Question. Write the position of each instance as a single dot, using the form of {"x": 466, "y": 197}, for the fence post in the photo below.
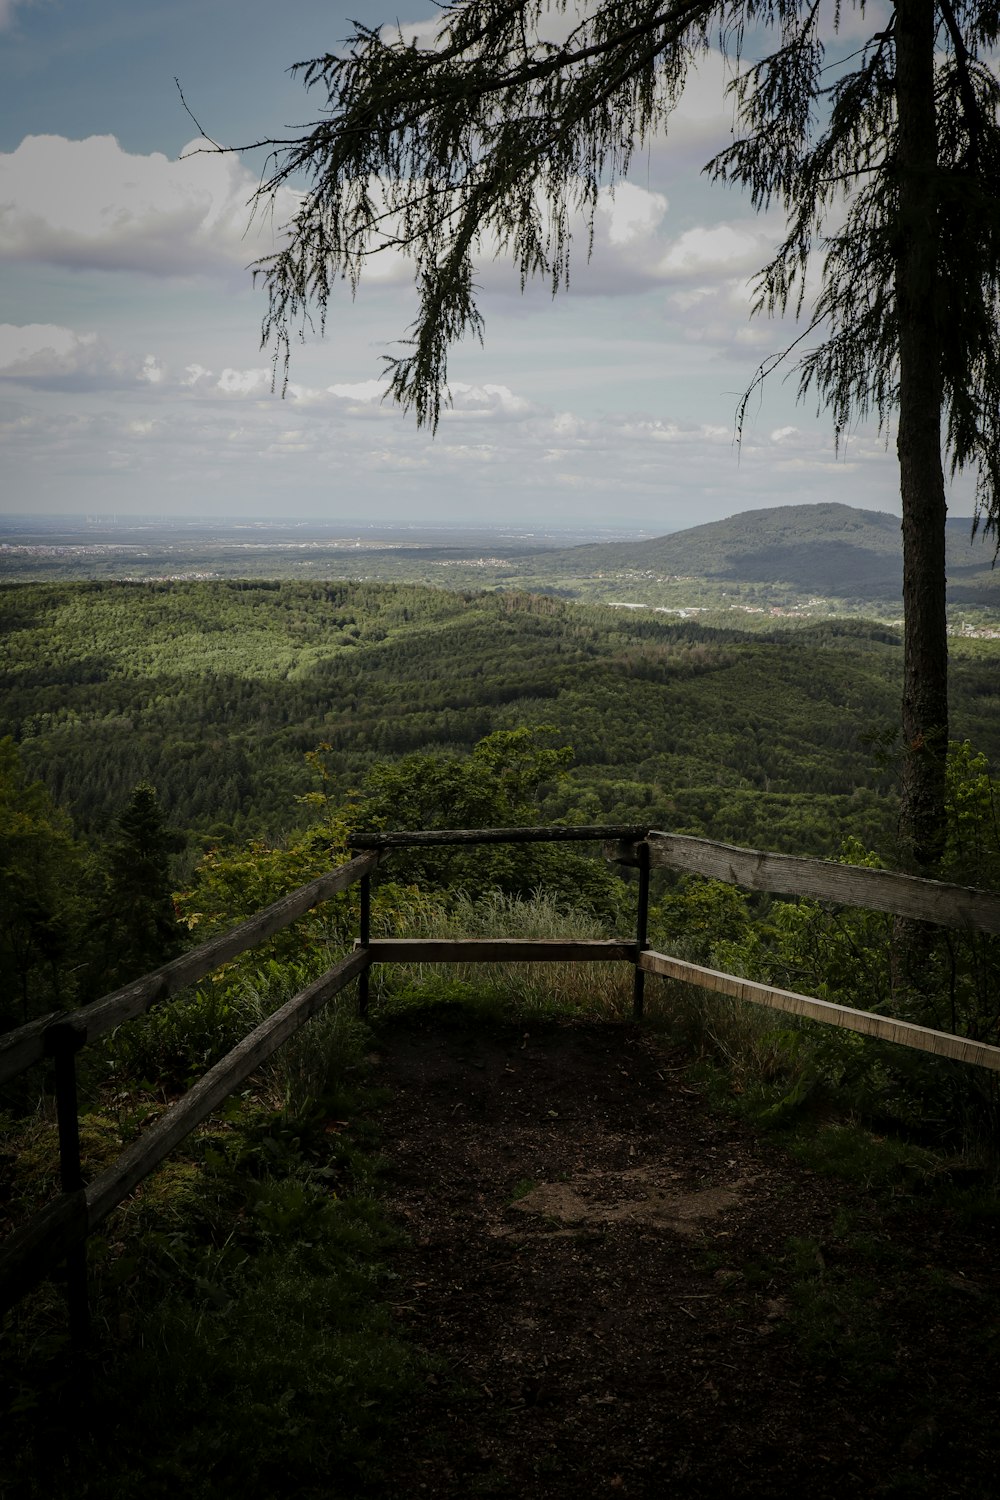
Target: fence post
{"x": 641, "y": 926}
{"x": 365, "y": 936}
{"x": 64, "y": 1042}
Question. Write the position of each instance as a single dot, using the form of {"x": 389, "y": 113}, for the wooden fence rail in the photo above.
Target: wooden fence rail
{"x": 907, "y": 1033}
{"x": 820, "y": 880}
{"x": 499, "y": 951}
{"x": 33, "y": 1250}
{"x": 429, "y": 837}
{"x": 115, "y": 1184}
{"x": 59, "y": 1231}
{"x": 30, "y": 1044}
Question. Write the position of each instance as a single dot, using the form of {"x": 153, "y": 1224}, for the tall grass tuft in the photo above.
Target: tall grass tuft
{"x": 597, "y": 990}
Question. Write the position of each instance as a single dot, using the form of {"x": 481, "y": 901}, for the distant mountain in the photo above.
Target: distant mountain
{"x": 829, "y": 549}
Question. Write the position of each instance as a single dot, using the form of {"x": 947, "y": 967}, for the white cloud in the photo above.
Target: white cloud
{"x": 244, "y": 382}
{"x": 486, "y": 401}
{"x": 627, "y": 213}
{"x": 719, "y": 249}
{"x": 89, "y": 205}
{"x": 361, "y": 391}
{"x": 40, "y": 347}
{"x": 637, "y": 247}
{"x": 423, "y": 34}
{"x": 48, "y": 356}
{"x": 202, "y": 440}
{"x": 195, "y": 377}
{"x": 717, "y": 314}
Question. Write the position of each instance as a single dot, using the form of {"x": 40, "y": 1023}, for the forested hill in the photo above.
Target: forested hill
{"x": 216, "y": 692}
{"x": 830, "y": 550}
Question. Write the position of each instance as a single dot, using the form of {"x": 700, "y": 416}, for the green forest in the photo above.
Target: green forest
{"x": 215, "y": 693}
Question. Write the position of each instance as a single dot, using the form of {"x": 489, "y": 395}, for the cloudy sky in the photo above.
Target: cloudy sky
{"x": 131, "y": 374}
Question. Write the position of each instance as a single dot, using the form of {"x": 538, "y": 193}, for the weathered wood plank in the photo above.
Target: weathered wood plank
{"x": 21, "y": 1048}
{"x": 27, "y": 1045}
{"x": 556, "y": 833}
{"x": 907, "y": 1033}
{"x": 114, "y": 1184}
{"x": 34, "y": 1248}
{"x": 822, "y": 880}
{"x": 499, "y": 950}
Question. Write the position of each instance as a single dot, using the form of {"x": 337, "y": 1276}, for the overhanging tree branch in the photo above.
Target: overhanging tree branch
{"x": 494, "y": 138}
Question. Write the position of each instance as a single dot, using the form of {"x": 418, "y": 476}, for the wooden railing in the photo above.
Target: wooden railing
{"x": 60, "y": 1230}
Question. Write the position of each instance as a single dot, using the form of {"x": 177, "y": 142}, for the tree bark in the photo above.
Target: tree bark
{"x": 925, "y": 641}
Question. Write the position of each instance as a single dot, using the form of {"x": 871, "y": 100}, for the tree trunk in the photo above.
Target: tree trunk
{"x": 925, "y": 641}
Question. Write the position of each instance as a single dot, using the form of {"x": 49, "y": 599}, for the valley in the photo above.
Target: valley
{"x": 703, "y": 680}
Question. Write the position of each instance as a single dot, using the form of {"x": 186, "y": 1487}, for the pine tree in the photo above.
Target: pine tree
{"x": 889, "y": 176}
{"x": 141, "y": 926}
{"x": 44, "y": 900}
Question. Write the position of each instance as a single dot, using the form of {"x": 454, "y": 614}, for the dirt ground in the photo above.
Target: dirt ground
{"x": 631, "y": 1295}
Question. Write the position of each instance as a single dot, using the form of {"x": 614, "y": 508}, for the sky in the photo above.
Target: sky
{"x": 132, "y": 379}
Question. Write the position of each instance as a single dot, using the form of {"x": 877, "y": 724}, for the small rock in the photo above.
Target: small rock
{"x": 728, "y": 1278}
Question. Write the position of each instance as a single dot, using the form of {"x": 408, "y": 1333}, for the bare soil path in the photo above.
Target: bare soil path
{"x": 633, "y": 1296}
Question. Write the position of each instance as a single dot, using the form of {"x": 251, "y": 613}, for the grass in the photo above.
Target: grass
{"x": 241, "y": 1345}
{"x": 907, "y": 1113}
{"x": 241, "y": 1341}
